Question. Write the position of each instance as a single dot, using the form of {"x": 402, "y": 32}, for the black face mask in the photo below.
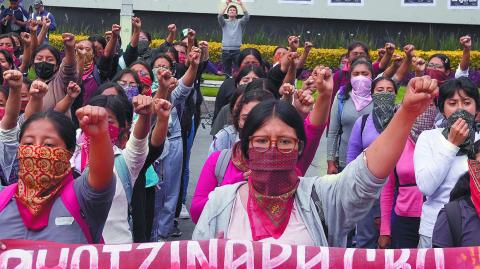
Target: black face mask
{"x": 143, "y": 46}
{"x": 44, "y": 70}
{"x": 467, "y": 148}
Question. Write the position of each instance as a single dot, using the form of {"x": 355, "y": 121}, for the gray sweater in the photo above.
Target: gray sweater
{"x": 345, "y": 199}
{"x": 340, "y": 130}
{"x": 232, "y": 31}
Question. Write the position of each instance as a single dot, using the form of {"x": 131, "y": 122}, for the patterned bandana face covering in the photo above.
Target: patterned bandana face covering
{"x": 468, "y": 146}
{"x": 131, "y": 92}
{"x": 40, "y": 177}
{"x": 383, "y": 109}
{"x": 272, "y": 186}
{"x": 426, "y": 121}
{"x": 440, "y": 76}
{"x": 474, "y": 170}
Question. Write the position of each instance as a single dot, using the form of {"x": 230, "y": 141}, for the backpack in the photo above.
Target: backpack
{"x": 454, "y": 219}
{"x": 69, "y": 199}
{"x": 222, "y": 164}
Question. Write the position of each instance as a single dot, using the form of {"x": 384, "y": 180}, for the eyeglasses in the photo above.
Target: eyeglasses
{"x": 264, "y": 143}
{"x": 142, "y": 73}
{"x": 164, "y": 68}
{"x": 124, "y": 83}
{"x": 435, "y": 66}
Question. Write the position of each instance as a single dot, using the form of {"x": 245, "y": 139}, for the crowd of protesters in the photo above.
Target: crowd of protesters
{"x": 96, "y": 147}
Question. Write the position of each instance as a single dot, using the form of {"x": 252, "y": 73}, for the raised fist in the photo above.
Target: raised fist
{"x": 162, "y": 108}
{"x": 38, "y": 89}
{"x": 293, "y": 43}
{"x": 194, "y": 56}
{"x": 136, "y": 23}
{"x": 14, "y": 79}
{"x": 93, "y": 120}
{"x": 466, "y": 42}
{"x": 286, "y": 90}
{"x": 142, "y": 104}
{"x": 409, "y": 51}
{"x": 419, "y": 95}
{"x": 390, "y": 48}
{"x": 116, "y": 30}
{"x": 172, "y": 28}
{"x": 73, "y": 90}
{"x": 68, "y": 40}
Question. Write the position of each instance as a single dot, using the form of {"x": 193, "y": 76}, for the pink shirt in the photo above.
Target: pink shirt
{"x": 409, "y": 199}
{"x": 207, "y": 181}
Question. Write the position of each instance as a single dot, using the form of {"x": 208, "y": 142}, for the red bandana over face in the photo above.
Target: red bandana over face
{"x": 474, "y": 170}
{"x": 272, "y": 186}
{"x": 41, "y": 175}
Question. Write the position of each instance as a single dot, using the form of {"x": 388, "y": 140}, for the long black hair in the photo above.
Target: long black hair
{"x": 53, "y": 51}
{"x": 127, "y": 70}
{"x": 377, "y": 80}
{"x": 359, "y": 61}
{"x": 259, "y": 71}
{"x": 254, "y": 95}
{"x": 115, "y": 105}
{"x": 250, "y": 51}
{"x": 266, "y": 110}
{"x": 62, "y": 124}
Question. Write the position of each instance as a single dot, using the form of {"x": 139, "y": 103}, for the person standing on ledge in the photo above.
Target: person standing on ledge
{"x": 232, "y": 32}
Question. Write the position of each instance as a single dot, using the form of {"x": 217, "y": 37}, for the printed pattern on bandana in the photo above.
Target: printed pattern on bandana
{"x": 272, "y": 185}
{"x": 41, "y": 173}
{"x": 426, "y": 121}
{"x": 467, "y": 147}
{"x": 269, "y": 215}
{"x": 474, "y": 170}
{"x": 383, "y": 109}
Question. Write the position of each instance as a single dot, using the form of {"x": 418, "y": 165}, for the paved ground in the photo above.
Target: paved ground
{"x": 199, "y": 155}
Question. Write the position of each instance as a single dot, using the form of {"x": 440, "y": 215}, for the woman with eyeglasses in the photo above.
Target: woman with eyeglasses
{"x": 130, "y": 82}
{"x": 439, "y": 65}
{"x": 145, "y": 74}
{"x": 169, "y": 166}
{"x": 229, "y": 166}
{"x": 275, "y": 205}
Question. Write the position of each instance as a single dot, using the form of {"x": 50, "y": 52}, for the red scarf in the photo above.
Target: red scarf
{"x": 440, "y": 76}
{"x": 474, "y": 170}
{"x": 272, "y": 186}
{"x": 43, "y": 172}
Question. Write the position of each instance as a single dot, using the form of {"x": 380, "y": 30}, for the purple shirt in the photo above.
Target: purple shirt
{"x": 442, "y": 235}
{"x": 360, "y": 141}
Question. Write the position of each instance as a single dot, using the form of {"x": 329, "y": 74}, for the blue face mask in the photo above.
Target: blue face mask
{"x": 131, "y": 92}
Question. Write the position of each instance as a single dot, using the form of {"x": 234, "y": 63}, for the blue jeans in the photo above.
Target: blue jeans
{"x": 229, "y": 59}
{"x": 367, "y": 232}
{"x": 186, "y": 169}
{"x": 169, "y": 172}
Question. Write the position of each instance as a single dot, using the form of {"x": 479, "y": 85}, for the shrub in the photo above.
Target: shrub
{"x": 328, "y": 57}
